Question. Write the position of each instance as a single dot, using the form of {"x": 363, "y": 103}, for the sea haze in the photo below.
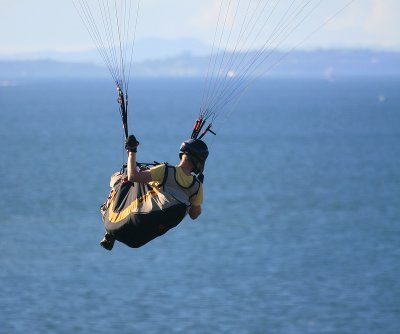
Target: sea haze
{"x": 318, "y": 64}
{"x": 301, "y": 216}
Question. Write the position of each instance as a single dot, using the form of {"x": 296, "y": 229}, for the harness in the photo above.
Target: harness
{"x": 171, "y": 186}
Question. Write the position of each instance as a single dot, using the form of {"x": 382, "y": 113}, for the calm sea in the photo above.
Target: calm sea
{"x": 300, "y": 231}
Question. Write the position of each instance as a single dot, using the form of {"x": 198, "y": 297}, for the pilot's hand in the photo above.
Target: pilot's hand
{"x": 131, "y": 144}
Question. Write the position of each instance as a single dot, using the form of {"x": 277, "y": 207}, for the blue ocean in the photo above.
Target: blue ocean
{"x": 300, "y": 231}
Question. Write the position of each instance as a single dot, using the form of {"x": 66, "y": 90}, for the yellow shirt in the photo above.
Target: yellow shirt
{"x": 157, "y": 176}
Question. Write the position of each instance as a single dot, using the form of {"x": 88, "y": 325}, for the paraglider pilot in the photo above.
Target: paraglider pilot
{"x": 145, "y": 203}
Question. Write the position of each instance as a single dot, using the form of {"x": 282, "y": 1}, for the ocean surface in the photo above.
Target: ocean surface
{"x": 300, "y": 231}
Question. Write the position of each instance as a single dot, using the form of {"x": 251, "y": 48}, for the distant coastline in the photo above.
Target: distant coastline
{"x": 324, "y": 64}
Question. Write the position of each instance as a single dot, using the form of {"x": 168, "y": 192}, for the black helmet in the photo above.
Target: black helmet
{"x": 197, "y": 151}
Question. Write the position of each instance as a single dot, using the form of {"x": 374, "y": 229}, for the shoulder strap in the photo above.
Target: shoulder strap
{"x": 165, "y": 174}
{"x": 198, "y": 188}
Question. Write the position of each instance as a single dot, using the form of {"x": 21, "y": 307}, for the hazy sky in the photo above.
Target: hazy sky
{"x": 34, "y": 25}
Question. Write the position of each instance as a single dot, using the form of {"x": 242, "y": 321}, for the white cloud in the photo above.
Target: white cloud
{"x": 367, "y": 23}
{"x": 207, "y": 16}
{"x": 48, "y": 24}
{"x": 382, "y": 23}
{"x": 383, "y": 16}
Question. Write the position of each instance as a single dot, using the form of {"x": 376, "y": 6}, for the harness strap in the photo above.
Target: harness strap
{"x": 162, "y": 184}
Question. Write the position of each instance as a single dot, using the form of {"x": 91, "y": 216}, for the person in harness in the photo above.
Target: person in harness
{"x": 145, "y": 203}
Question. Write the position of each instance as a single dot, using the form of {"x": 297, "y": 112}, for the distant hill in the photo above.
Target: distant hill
{"x": 144, "y": 49}
{"x": 328, "y": 64}
{"x": 19, "y": 69}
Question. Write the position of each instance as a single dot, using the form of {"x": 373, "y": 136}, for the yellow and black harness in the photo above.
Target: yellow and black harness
{"x": 135, "y": 213}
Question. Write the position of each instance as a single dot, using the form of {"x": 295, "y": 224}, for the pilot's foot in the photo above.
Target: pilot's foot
{"x": 107, "y": 242}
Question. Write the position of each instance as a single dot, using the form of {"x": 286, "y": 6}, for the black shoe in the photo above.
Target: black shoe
{"x": 107, "y": 242}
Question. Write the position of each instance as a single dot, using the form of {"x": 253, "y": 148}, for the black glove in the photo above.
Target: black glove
{"x": 131, "y": 144}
